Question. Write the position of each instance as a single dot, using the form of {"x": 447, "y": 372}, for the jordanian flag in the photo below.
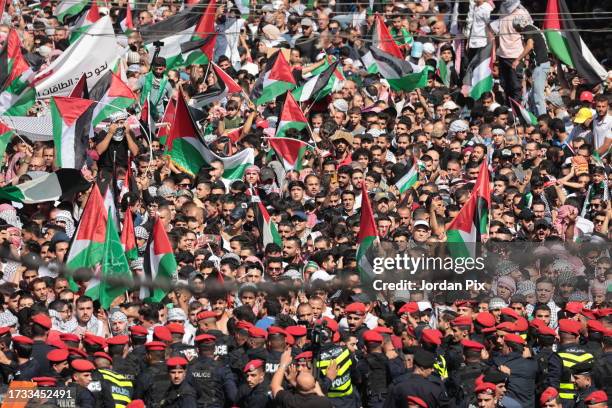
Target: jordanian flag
{"x": 87, "y": 19}
{"x": 128, "y": 238}
{"x": 189, "y": 154}
{"x": 401, "y": 75}
{"x": 472, "y": 221}
{"x": 159, "y": 263}
{"x": 87, "y": 249}
{"x": 69, "y": 8}
{"x": 200, "y": 50}
{"x": 71, "y": 118}
{"x": 224, "y": 87}
{"x": 478, "y": 77}
{"x": 115, "y": 276}
{"x": 291, "y": 151}
{"x": 408, "y": 180}
{"x": 113, "y": 95}
{"x": 565, "y": 42}
{"x": 269, "y": 232}
{"x": 62, "y": 184}
{"x": 16, "y": 94}
{"x": 367, "y": 237}
{"x": 274, "y": 81}
{"x": 526, "y": 116}
{"x": 291, "y": 117}
{"x": 6, "y": 134}
{"x": 323, "y": 81}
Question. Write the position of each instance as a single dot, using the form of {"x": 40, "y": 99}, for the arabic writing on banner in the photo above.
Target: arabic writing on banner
{"x": 64, "y": 87}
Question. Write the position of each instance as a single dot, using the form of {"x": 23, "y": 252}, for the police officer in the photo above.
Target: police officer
{"x": 550, "y": 366}
{"x": 462, "y": 382}
{"x": 138, "y": 338}
{"x": 254, "y": 393}
{"x": 153, "y": 381}
{"x": 81, "y": 378}
{"x": 571, "y": 353}
{"x": 550, "y": 398}
{"x": 522, "y": 371}
{"x": 583, "y": 382}
{"x": 59, "y": 364}
{"x": 41, "y": 324}
{"x": 116, "y": 390}
{"x": 602, "y": 370}
{"x": 596, "y": 330}
{"x": 374, "y": 368}
{"x": 276, "y": 345}
{"x": 431, "y": 339}
{"x": 486, "y": 395}
{"x": 118, "y": 349}
{"x": 214, "y": 383}
{"x": 237, "y": 357}
{"x": 25, "y": 367}
{"x": 355, "y": 318}
{"x": 207, "y": 323}
{"x": 179, "y": 394}
{"x": 461, "y": 327}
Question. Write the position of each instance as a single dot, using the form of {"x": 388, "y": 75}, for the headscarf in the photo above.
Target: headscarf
{"x": 67, "y": 218}
{"x": 563, "y": 218}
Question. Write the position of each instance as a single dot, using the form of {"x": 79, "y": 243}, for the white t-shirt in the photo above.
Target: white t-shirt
{"x": 478, "y": 32}
{"x": 602, "y": 130}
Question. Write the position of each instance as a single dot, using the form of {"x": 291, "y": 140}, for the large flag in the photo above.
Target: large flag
{"x": 6, "y": 134}
{"x": 69, "y": 8}
{"x": 368, "y": 234}
{"x": 291, "y": 151}
{"x": 200, "y": 50}
{"x": 60, "y": 185}
{"x": 478, "y": 77}
{"x": 520, "y": 111}
{"x": 189, "y": 154}
{"x": 401, "y": 75}
{"x": 225, "y": 86}
{"x": 268, "y": 231}
{"x": 127, "y": 24}
{"x": 275, "y": 80}
{"x": 87, "y": 249}
{"x": 114, "y": 275}
{"x": 163, "y": 127}
{"x": 85, "y": 21}
{"x": 128, "y": 238}
{"x": 16, "y": 94}
{"x": 112, "y": 94}
{"x": 565, "y": 42}
{"x": 159, "y": 262}
{"x": 80, "y": 90}
{"x": 291, "y": 117}
{"x": 71, "y": 118}
{"x": 472, "y": 221}
{"x": 322, "y": 82}
{"x": 408, "y": 180}
{"x": 62, "y": 74}
{"x": 382, "y": 39}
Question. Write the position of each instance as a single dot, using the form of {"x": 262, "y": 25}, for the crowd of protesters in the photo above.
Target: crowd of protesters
{"x": 294, "y": 323}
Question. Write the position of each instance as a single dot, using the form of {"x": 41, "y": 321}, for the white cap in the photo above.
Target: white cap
{"x": 321, "y": 275}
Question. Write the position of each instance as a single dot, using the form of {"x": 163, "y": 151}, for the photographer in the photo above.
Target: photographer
{"x": 114, "y": 144}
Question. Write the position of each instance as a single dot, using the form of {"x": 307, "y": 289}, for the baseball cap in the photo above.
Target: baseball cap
{"x": 583, "y": 115}
{"x": 586, "y": 96}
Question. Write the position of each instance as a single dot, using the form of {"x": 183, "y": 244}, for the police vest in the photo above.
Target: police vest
{"x": 121, "y": 389}
{"x": 203, "y": 379}
{"x": 440, "y": 367}
{"x": 566, "y": 387}
{"x": 342, "y": 385}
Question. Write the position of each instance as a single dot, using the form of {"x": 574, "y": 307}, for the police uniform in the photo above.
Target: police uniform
{"x": 181, "y": 395}
{"x": 340, "y": 391}
{"x": 84, "y": 398}
{"x": 257, "y": 397}
{"x": 40, "y": 349}
{"x": 123, "y": 365}
{"x": 521, "y": 385}
{"x": 570, "y": 354}
{"x": 117, "y": 390}
{"x": 374, "y": 368}
{"x": 153, "y": 381}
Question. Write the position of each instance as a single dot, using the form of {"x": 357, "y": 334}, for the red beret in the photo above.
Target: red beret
{"x": 207, "y": 314}
{"x": 464, "y": 302}
{"x": 595, "y": 326}
{"x": 574, "y": 307}
{"x": 162, "y": 333}
{"x": 485, "y": 387}
{"x": 596, "y": 397}
{"x": 94, "y": 340}
{"x": 588, "y": 313}
{"x": 570, "y": 326}
{"x": 521, "y": 324}
{"x": 176, "y": 328}
{"x": 331, "y": 323}
{"x": 257, "y": 333}
{"x": 537, "y": 323}
{"x": 544, "y": 330}
{"x": 290, "y": 339}
{"x": 276, "y": 330}
{"x": 118, "y": 340}
{"x": 416, "y": 400}
{"x": 4, "y": 330}
{"x": 485, "y": 319}
{"x": 101, "y": 354}
{"x": 355, "y": 308}
{"x": 136, "y": 404}
{"x": 77, "y": 352}
{"x": 82, "y": 365}
{"x": 243, "y": 325}
{"x": 305, "y": 355}
{"x": 296, "y": 331}
{"x": 22, "y": 340}
{"x": 155, "y": 346}
{"x": 42, "y": 320}
{"x": 410, "y": 307}
{"x": 177, "y": 362}
{"x": 509, "y": 312}
{"x": 431, "y": 336}
{"x": 506, "y": 326}
{"x": 370, "y": 336}
{"x": 488, "y": 330}
{"x": 471, "y": 344}
{"x": 514, "y": 338}
{"x": 462, "y": 321}
{"x": 138, "y": 331}
{"x": 547, "y": 395}
{"x": 57, "y": 343}
{"x": 58, "y": 355}
{"x": 603, "y": 312}
{"x": 253, "y": 365}
{"x": 205, "y": 338}
{"x": 70, "y": 337}
{"x": 383, "y": 330}
{"x": 45, "y": 381}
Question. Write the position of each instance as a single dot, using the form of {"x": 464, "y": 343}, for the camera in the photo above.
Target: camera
{"x": 318, "y": 334}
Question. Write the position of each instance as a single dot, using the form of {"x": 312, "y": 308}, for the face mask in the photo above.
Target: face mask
{"x": 316, "y": 129}
{"x": 119, "y": 135}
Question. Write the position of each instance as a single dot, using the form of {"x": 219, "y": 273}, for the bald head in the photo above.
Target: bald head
{"x": 305, "y": 383}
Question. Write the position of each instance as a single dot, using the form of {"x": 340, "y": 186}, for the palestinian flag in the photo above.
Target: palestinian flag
{"x": 408, "y": 180}
{"x": 189, "y": 154}
{"x": 16, "y": 94}
{"x": 478, "y": 77}
{"x": 146, "y": 119}
{"x": 60, "y": 185}
{"x": 274, "y": 81}
{"x": 472, "y": 221}
{"x": 6, "y": 134}
{"x": 127, "y": 24}
{"x": 401, "y": 75}
{"x": 71, "y": 118}
{"x": 112, "y": 94}
{"x": 159, "y": 263}
{"x": 224, "y": 87}
{"x": 526, "y": 116}
{"x": 291, "y": 117}
{"x": 163, "y": 128}
{"x": 69, "y": 8}
{"x": 565, "y": 42}
{"x": 320, "y": 84}
{"x": 128, "y": 239}
{"x": 367, "y": 237}
{"x": 291, "y": 151}
{"x": 80, "y": 90}
{"x": 382, "y": 39}
{"x": 367, "y": 60}
{"x": 87, "y": 19}
{"x": 87, "y": 249}
{"x": 268, "y": 231}
{"x": 200, "y": 50}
